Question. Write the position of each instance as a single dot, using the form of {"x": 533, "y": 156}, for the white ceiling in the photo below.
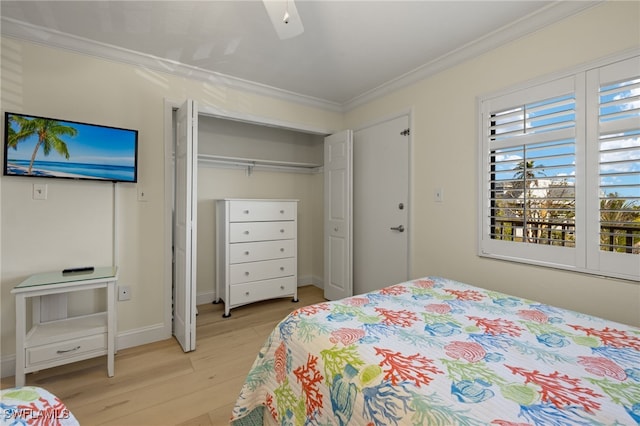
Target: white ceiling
{"x": 348, "y": 51}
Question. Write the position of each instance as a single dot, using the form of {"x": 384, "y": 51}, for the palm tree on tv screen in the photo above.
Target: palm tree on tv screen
{"x": 48, "y": 132}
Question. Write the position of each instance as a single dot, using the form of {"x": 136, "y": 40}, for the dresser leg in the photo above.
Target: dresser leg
{"x": 294, "y": 300}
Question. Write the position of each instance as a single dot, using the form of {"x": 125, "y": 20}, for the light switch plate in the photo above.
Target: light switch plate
{"x": 39, "y": 191}
{"x": 438, "y": 195}
{"x": 142, "y": 194}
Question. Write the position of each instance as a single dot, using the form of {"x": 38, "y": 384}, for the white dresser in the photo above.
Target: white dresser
{"x": 256, "y": 250}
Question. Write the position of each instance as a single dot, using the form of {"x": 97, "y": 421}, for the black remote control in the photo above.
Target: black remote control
{"x": 81, "y": 270}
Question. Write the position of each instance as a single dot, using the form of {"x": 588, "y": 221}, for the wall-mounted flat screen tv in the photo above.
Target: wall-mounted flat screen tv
{"x": 47, "y": 147}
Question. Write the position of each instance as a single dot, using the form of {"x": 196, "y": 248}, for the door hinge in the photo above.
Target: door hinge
{"x": 405, "y": 132}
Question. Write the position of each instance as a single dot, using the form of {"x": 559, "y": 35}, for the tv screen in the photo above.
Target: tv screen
{"x": 47, "y": 147}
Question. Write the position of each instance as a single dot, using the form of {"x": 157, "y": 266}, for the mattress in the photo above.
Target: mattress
{"x": 433, "y": 351}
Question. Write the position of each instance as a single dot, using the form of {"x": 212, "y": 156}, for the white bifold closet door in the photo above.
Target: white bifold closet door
{"x": 338, "y": 251}
{"x": 185, "y": 220}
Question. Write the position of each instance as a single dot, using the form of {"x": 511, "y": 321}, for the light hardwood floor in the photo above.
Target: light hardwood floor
{"x": 158, "y": 384}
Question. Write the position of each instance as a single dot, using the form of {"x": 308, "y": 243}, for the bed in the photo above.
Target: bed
{"x": 32, "y": 405}
{"x": 434, "y": 351}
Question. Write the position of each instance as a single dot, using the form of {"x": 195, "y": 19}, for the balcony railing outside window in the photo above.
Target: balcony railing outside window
{"x": 618, "y": 238}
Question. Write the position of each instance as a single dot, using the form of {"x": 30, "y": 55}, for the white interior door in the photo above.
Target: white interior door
{"x": 184, "y": 291}
{"x": 381, "y": 205}
{"x": 338, "y": 269}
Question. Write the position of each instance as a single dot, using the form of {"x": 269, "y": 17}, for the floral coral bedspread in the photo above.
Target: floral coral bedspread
{"x": 434, "y": 351}
{"x": 32, "y": 405}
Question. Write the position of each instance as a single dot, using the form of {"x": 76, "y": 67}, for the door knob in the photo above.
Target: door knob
{"x": 398, "y": 228}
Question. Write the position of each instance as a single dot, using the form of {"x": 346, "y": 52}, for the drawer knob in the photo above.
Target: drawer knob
{"x": 282, "y": 268}
{"x": 246, "y": 293}
{"x": 247, "y": 273}
{"x": 282, "y": 231}
{"x": 246, "y": 232}
{"x": 282, "y": 249}
{"x": 281, "y": 287}
{"x": 281, "y": 211}
{"x": 246, "y": 253}
{"x": 246, "y": 212}
{"x": 60, "y": 352}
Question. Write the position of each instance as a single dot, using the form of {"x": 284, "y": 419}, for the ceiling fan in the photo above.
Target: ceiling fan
{"x": 284, "y": 17}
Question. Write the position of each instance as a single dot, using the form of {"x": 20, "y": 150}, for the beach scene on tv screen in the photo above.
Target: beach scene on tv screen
{"x": 53, "y": 148}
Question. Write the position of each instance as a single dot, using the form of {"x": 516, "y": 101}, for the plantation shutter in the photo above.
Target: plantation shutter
{"x": 560, "y": 172}
{"x": 530, "y": 172}
{"x": 615, "y": 141}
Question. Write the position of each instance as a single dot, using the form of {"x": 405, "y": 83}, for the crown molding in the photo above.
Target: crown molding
{"x": 526, "y": 25}
{"x": 51, "y": 38}
{"x": 517, "y": 29}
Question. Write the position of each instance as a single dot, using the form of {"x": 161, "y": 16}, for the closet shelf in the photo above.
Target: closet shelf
{"x": 257, "y": 164}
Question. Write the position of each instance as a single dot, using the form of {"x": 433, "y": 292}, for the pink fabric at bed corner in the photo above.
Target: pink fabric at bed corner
{"x": 33, "y": 405}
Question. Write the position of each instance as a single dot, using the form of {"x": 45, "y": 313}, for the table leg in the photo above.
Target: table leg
{"x": 111, "y": 328}
{"x": 21, "y": 331}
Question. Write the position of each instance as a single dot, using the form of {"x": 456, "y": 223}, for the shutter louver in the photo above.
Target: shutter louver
{"x": 619, "y": 166}
{"x": 532, "y": 172}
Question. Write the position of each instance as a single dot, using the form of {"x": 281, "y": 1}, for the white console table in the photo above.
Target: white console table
{"x": 55, "y": 338}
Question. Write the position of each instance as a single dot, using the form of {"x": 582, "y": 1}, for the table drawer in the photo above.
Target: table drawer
{"x": 261, "y": 231}
{"x": 248, "y": 211}
{"x": 254, "y": 271}
{"x": 260, "y": 290}
{"x": 66, "y": 349}
{"x": 263, "y": 250}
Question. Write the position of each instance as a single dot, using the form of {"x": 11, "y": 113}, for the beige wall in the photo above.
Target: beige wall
{"x": 51, "y": 82}
{"x": 445, "y": 155}
{"x": 72, "y": 227}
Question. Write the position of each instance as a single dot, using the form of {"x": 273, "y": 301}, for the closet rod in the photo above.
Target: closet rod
{"x": 251, "y": 163}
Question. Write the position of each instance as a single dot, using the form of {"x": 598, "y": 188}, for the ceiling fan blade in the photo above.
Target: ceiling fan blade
{"x": 284, "y": 17}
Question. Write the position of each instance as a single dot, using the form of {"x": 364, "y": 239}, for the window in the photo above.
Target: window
{"x": 560, "y": 172}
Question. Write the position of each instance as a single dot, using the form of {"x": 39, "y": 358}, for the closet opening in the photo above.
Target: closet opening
{"x": 245, "y": 157}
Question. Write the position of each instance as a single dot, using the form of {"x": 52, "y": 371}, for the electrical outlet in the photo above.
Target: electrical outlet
{"x": 124, "y": 292}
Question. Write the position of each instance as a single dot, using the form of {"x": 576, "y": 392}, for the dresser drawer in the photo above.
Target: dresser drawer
{"x": 248, "y": 211}
{"x": 260, "y": 290}
{"x": 66, "y": 349}
{"x": 261, "y": 231}
{"x": 263, "y": 250}
{"x": 254, "y": 271}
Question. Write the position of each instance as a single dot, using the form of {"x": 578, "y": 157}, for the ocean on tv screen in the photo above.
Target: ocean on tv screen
{"x": 70, "y": 170}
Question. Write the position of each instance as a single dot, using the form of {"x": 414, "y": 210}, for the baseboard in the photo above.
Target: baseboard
{"x": 209, "y": 296}
{"x": 311, "y": 280}
{"x": 8, "y": 366}
{"x": 142, "y": 336}
{"x": 205, "y": 298}
{"x": 127, "y": 339}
